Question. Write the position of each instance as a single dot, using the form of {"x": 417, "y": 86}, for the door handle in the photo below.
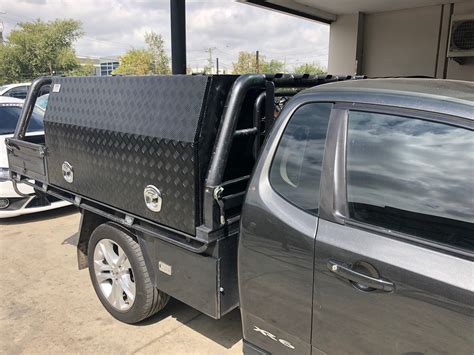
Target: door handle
{"x": 360, "y": 278}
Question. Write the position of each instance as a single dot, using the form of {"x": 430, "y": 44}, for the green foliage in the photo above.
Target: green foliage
{"x": 86, "y": 69}
{"x": 39, "y": 48}
{"x": 136, "y": 62}
{"x": 272, "y": 67}
{"x": 156, "y": 46}
{"x": 247, "y": 63}
{"x": 310, "y": 68}
{"x": 152, "y": 60}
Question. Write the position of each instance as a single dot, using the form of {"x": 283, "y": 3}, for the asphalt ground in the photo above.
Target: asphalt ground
{"x": 49, "y": 306}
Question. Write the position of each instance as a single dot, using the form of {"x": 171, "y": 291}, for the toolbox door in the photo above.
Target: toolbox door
{"x": 26, "y": 150}
{"x": 27, "y": 159}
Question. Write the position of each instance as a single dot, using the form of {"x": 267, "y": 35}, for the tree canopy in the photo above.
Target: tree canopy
{"x": 247, "y": 63}
{"x": 310, "y": 68}
{"x": 39, "y": 48}
{"x": 152, "y": 60}
{"x": 135, "y": 62}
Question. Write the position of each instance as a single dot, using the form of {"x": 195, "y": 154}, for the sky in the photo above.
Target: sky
{"x": 114, "y": 26}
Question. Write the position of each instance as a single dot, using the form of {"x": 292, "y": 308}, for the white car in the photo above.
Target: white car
{"x": 18, "y": 91}
{"x": 11, "y": 203}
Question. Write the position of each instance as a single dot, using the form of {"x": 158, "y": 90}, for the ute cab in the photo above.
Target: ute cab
{"x": 357, "y": 231}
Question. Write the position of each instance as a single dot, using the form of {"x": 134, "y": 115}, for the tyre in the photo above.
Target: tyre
{"x": 120, "y": 277}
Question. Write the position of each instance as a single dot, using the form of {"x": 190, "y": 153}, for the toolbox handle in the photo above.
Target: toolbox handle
{"x": 29, "y": 105}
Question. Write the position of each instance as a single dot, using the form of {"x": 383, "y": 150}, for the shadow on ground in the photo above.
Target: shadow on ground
{"x": 226, "y": 331}
{"x": 40, "y": 216}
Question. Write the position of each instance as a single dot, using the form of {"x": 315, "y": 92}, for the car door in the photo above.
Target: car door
{"x": 279, "y": 222}
{"x": 394, "y": 249}
{"x": 18, "y": 92}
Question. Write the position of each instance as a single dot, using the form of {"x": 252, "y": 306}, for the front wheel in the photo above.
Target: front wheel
{"x": 120, "y": 277}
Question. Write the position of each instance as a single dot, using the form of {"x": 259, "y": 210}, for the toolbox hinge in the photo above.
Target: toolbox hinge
{"x": 218, "y": 197}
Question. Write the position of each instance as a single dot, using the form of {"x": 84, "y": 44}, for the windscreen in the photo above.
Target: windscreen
{"x": 9, "y": 116}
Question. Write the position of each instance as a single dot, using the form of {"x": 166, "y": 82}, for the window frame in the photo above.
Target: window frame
{"x": 341, "y": 197}
{"x": 18, "y": 89}
{"x": 288, "y": 121}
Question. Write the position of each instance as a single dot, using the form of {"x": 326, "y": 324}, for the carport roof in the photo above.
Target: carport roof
{"x": 327, "y": 10}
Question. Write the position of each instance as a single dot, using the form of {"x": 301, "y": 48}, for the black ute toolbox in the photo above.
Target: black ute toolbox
{"x": 121, "y": 134}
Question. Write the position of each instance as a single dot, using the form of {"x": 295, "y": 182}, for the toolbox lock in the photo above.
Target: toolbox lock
{"x": 153, "y": 198}
{"x": 68, "y": 172}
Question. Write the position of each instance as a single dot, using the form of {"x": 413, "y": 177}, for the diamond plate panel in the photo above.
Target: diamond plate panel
{"x": 168, "y": 107}
{"x": 115, "y": 167}
{"x": 121, "y": 134}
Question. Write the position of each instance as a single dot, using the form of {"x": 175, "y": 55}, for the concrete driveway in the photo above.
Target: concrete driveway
{"x": 48, "y": 306}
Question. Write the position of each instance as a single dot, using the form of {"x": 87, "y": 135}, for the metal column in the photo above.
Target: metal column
{"x": 178, "y": 36}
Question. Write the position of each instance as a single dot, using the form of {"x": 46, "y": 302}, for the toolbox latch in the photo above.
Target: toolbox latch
{"x": 218, "y": 197}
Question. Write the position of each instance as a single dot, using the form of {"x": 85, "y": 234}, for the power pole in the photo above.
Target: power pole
{"x": 257, "y": 63}
{"x": 1, "y": 28}
{"x": 210, "y": 62}
{"x": 217, "y": 66}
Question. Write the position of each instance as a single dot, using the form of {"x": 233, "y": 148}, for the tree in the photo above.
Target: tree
{"x": 39, "y": 48}
{"x": 310, "y": 68}
{"x": 247, "y": 63}
{"x": 85, "y": 69}
{"x": 156, "y": 46}
{"x": 152, "y": 60}
{"x": 272, "y": 67}
{"x": 136, "y": 62}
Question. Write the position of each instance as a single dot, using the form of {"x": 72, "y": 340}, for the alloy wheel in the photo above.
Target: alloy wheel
{"x": 114, "y": 274}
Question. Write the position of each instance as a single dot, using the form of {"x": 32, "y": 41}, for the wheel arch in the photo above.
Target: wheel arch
{"x": 89, "y": 222}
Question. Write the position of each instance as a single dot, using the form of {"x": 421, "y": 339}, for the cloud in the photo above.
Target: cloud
{"x": 114, "y": 26}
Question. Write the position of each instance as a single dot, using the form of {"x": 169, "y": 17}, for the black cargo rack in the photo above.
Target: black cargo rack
{"x": 221, "y": 193}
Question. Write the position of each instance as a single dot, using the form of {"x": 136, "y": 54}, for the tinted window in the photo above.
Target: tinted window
{"x": 297, "y": 165}
{"x": 18, "y": 92}
{"x": 9, "y": 118}
{"x": 412, "y": 176}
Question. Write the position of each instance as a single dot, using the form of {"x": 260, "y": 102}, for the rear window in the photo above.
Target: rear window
{"x": 297, "y": 165}
{"x": 9, "y": 116}
{"x": 412, "y": 176}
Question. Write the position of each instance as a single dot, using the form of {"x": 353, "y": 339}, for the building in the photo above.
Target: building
{"x": 102, "y": 66}
{"x": 379, "y": 38}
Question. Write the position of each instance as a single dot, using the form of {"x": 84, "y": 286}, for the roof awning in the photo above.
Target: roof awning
{"x": 326, "y": 11}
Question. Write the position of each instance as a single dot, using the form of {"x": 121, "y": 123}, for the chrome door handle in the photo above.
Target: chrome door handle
{"x": 359, "y": 278}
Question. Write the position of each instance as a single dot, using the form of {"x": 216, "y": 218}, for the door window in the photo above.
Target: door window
{"x": 412, "y": 176}
{"x": 18, "y": 92}
{"x": 297, "y": 165}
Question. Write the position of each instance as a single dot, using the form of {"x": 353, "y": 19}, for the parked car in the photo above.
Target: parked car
{"x": 42, "y": 101}
{"x": 19, "y": 91}
{"x": 11, "y": 203}
{"x": 349, "y": 230}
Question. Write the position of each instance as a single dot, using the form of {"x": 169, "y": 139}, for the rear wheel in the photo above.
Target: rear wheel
{"x": 120, "y": 277}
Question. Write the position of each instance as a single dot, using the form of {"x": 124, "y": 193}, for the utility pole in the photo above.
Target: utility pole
{"x": 210, "y": 62}
{"x": 257, "y": 64}
{"x": 1, "y": 28}
{"x": 217, "y": 66}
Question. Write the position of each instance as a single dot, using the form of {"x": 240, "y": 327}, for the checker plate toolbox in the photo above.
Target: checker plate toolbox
{"x": 122, "y": 134}
{"x": 193, "y": 138}
{"x": 168, "y": 158}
